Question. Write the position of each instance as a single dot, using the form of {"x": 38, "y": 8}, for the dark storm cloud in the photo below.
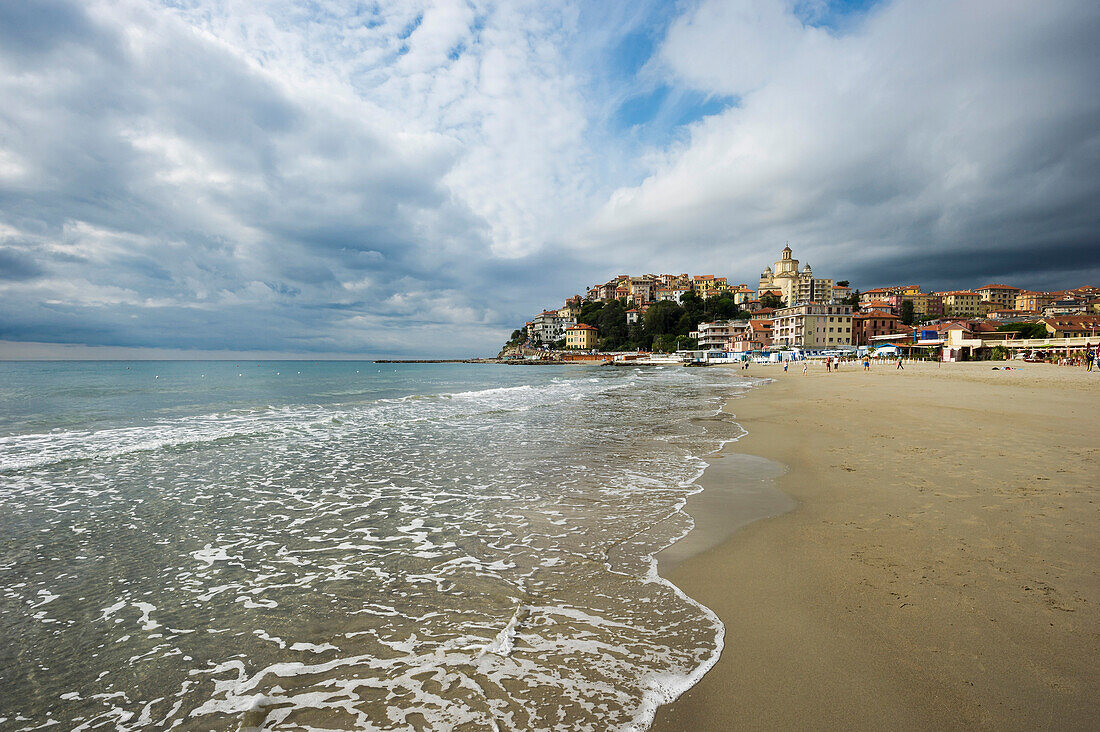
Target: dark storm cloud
{"x": 934, "y": 140}
{"x": 16, "y": 265}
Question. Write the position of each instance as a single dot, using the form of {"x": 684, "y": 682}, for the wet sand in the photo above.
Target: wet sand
{"x": 941, "y": 568}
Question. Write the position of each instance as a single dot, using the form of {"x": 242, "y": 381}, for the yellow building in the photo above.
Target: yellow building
{"x": 1003, "y": 296}
{"x": 708, "y": 285}
{"x": 582, "y": 336}
{"x": 922, "y": 304}
{"x": 1036, "y": 301}
{"x": 1072, "y": 326}
{"x": 962, "y": 302}
{"x": 742, "y": 294}
{"x": 985, "y": 307}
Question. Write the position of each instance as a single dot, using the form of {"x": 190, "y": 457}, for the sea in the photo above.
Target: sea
{"x": 303, "y": 545}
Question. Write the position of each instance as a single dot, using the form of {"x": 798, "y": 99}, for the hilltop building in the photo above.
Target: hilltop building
{"x": 1004, "y": 296}
{"x": 796, "y": 285}
{"x": 961, "y": 303}
{"x": 1033, "y": 301}
{"x": 816, "y": 314}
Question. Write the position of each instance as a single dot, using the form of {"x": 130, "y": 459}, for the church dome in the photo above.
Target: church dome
{"x": 767, "y": 270}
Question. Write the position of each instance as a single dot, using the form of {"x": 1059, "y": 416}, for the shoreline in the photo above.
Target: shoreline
{"x": 936, "y": 569}
{"x": 735, "y": 490}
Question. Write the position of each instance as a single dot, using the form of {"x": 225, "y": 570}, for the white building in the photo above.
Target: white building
{"x": 549, "y": 326}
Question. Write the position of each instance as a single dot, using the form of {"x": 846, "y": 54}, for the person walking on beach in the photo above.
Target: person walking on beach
{"x": 785, "y": 365}
{"x": 900, "y": 367}
{"x": 866, "y": 363}
{"x": 804, "y": 367}
{"x": 828, "y": 365}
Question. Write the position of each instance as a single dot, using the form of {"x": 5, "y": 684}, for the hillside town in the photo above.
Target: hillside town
{"x": 792, "y": 314}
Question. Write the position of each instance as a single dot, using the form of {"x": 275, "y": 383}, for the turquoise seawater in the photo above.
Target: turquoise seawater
{"x": 347, "y": 545}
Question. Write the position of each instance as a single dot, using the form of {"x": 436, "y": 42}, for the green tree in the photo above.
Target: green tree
{"x": 662, "y": 317}
{"x": 694, "y": 312}
{"x": 686, "y": 343}
{"x": 771, "y": 301}
{"x": 612, "y": 324}
{"x": 853, "y": 299}
{"x": 908, "y": 314}
{"x": 1026, "y": 330}
{"x": 843, "y": 283}
{"x": 590, "y": 313}
{"x": 665, "y": 343}
{"x": 687, "y": 324}
{"x": 721, "y": 307}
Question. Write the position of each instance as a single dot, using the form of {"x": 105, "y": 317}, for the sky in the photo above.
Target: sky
{"x": 417, "y": 178}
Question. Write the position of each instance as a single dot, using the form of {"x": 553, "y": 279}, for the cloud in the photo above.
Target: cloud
{"x": 17, "y": 265}
{"x": 934, "y": 134}
{"x": 414, "y": 177}
{"x": 194, "y": 177}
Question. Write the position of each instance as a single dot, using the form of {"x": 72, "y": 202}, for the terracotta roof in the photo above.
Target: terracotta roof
{"x": 1073, "y": 321}
{"x": 582, "y": 326}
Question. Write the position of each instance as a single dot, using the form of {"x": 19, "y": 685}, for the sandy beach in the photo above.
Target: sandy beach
{"x": 939, "y": 569}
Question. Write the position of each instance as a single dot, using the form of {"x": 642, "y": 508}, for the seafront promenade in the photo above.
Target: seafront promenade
{"x": 939, "y": 570}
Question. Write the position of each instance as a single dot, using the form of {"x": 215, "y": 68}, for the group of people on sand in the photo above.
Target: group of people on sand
{"x": 833, "y": 364}
{"x": 1089, "y": 358}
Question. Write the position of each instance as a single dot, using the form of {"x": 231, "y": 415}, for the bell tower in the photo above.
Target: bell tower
{"x": 786, "y": 264}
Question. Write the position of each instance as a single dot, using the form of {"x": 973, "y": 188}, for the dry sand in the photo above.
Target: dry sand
{"x": 941, "y": 568}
